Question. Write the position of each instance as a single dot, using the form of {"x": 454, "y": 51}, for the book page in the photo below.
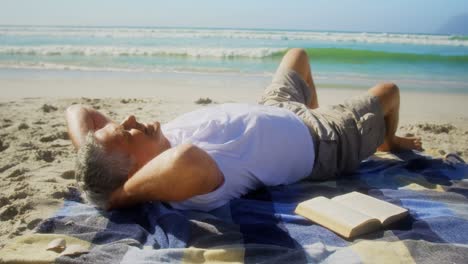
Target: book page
{"x": 336, "y": 217}
{"x": 384, "y": 211}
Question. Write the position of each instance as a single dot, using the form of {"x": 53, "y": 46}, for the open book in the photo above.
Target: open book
{"x": 351, "y": 214}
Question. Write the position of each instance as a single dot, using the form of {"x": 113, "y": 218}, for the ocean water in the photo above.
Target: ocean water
{"x": 436, "y": 63}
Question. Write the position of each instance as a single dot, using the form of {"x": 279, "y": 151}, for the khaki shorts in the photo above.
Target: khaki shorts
{"x": 343, "y": 134}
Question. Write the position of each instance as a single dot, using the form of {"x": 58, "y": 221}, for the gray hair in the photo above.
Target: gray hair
{"x": 100, "y": 172}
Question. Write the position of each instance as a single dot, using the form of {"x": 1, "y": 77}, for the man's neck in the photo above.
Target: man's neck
{"x": 165, "y": 145}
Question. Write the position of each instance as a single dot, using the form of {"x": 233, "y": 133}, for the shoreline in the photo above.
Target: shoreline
{"x": 18, "y": 82}
{"x": 416, "y": 106}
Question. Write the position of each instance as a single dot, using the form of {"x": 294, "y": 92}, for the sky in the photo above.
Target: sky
{"x": 412, "y": 16}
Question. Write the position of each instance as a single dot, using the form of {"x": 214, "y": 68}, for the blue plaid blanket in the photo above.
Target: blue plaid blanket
{"x": 261, "y": 227}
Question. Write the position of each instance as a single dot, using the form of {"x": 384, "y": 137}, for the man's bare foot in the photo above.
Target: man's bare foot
{"x": 402, "y": 143}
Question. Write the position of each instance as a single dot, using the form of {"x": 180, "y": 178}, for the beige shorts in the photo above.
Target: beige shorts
{"x": 343, "y": 134}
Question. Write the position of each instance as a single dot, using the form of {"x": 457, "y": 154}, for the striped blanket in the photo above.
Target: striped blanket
{"x": 261, "y": 227}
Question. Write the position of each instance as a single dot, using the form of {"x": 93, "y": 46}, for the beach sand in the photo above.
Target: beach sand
{"x": 36, "y": 169}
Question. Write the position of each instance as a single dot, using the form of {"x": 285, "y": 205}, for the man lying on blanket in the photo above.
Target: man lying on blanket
{"x": 205, "y": 158}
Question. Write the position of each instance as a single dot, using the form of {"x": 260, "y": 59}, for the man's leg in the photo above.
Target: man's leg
{"x": 389, "y": 97}
{"x": 297, "y": 60}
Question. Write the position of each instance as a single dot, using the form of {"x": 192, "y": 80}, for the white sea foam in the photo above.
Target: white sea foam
{"x": 138, "y": 51}
{"x": 168, "y": 33}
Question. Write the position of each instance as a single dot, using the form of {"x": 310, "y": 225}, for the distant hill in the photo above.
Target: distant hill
{"x": 457, "y": 25}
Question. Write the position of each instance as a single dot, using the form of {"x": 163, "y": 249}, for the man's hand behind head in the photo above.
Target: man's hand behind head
{"x": 81, "y": 120}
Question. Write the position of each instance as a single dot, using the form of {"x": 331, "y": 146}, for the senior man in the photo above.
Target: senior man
{"x": 205, "y": 158}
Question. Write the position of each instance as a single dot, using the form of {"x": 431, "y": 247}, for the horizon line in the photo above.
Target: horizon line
{"x": 227, "y": 28}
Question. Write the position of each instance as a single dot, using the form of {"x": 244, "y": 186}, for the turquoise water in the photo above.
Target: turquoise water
{"x": 421, "y": 62}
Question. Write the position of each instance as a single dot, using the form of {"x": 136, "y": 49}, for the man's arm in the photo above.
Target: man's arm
{"x": 81, "y": 120}
{"x": 175, "y": 175}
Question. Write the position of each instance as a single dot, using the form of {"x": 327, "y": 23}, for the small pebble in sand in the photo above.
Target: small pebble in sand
{"x": 45, "y": 155}
{"x": 23, "y": 126}
{"x": 48, "y": 108}
{"x": 63, "y": 135}
{"x": 48, "y": 138}
{"x": 69, "y": 174}
{"x": 204, "y": 101}
{"x": 57, "y": 245}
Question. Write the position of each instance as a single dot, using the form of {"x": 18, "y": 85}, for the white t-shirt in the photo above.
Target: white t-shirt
{"x": 253, "y": 145}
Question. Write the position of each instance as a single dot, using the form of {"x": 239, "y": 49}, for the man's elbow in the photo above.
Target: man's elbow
{"x": 74, "y": 110}
{"x": 78, "y": 124}
{"x": 72, "y": 113}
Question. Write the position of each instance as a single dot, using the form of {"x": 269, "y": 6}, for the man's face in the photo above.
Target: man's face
{"x": 142, "y": 142}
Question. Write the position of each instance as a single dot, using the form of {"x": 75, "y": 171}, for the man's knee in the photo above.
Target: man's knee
{"x": 388, "y": 94}
{"x": 297, "y": 60}
{"x": 298, "y": 54}
{"x": 391, "y": 88}
{"x": 386, "y": 89}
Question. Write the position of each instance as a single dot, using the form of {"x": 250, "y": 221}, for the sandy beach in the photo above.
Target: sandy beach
{"x": 36, "y": 168}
